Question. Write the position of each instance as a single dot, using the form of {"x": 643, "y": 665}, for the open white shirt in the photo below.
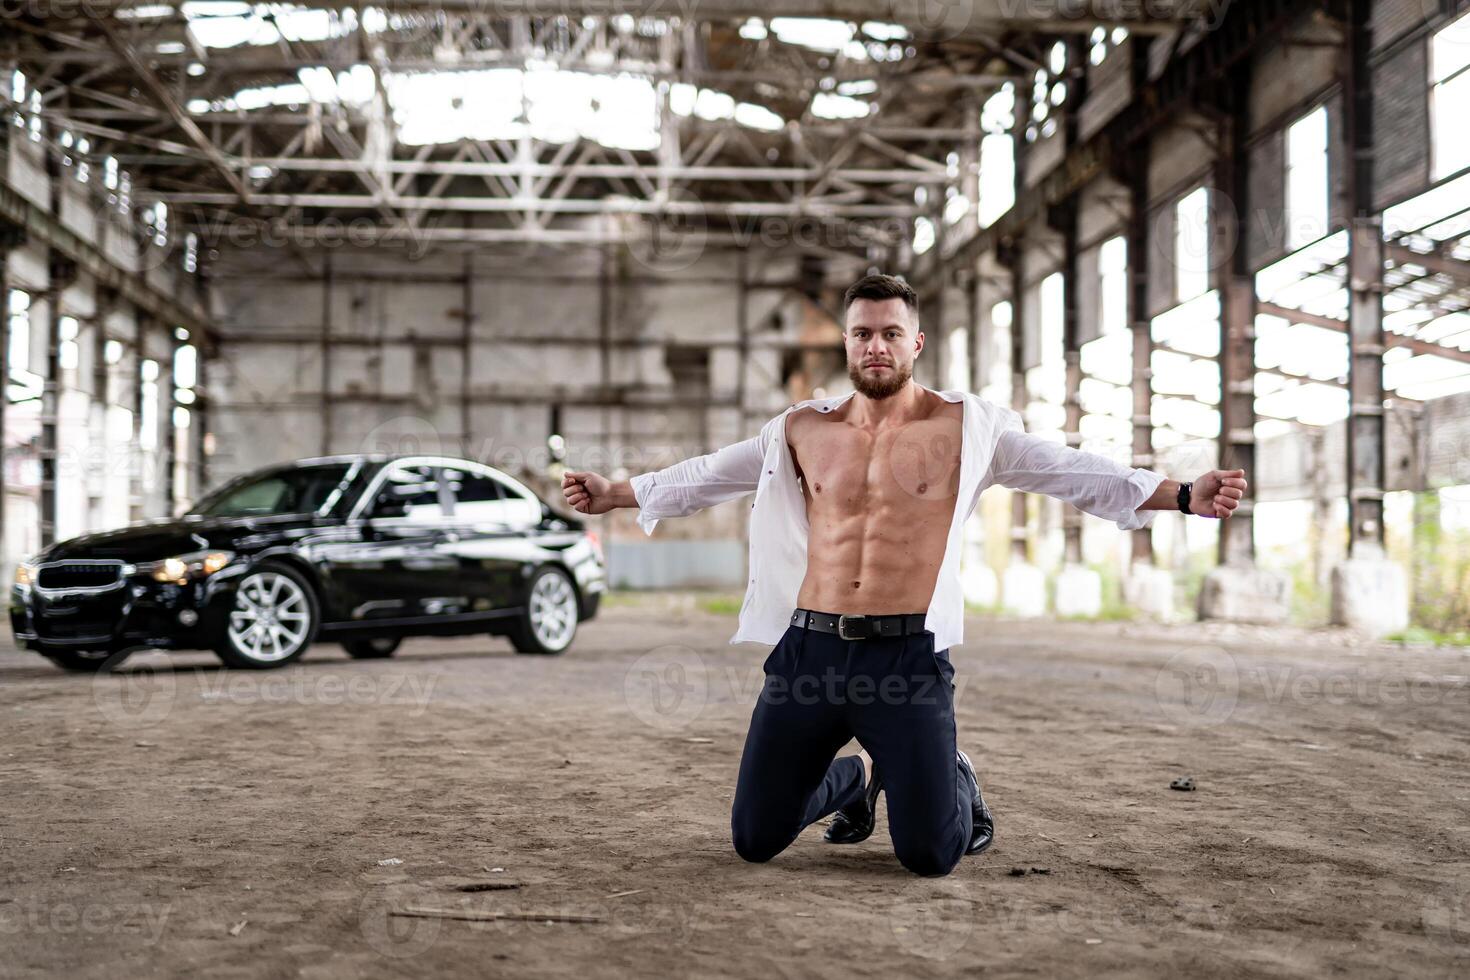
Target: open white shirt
{"x": 994, "y": 449}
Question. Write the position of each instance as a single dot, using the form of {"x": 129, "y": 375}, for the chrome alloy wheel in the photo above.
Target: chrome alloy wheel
{"x": 553, "y": 610}
{"x": 271, "y": 619}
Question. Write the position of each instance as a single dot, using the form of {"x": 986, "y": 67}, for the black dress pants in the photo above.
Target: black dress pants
{"x": 896, "y": 697}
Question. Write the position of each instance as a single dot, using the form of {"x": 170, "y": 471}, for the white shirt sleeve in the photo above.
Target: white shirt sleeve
{"x": 1088, "y": 481}
{"x": 702, "y": 481}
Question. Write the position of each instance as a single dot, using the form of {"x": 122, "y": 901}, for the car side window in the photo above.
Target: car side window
{"x": 479, "y": 498}
{"x": 417, "y": 489}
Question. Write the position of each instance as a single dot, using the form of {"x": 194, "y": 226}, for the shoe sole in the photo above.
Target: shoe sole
{"x": 986, "y": 846}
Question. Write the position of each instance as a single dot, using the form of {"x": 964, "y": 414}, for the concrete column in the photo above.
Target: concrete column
{"x": 1236, "y": 589}
{"x": 325, "y": 355}
{"x": 106, "y": 301}
{"x": 136, "y": 508}
{"x": 1369, "y": 592}
{"x": 937, "y": 330}
{"x": 62, "y": 274}
{"x": 170, "y": 437}
{"x": 742, "y": 336}
{"x": 202, "y": 420}
{"x": 466, "y": 348}
{"x": 1147, "y": 587}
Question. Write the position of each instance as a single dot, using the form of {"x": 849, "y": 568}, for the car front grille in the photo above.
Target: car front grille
{"x": 74, "y": 629}
{"x": 78, "y": 574}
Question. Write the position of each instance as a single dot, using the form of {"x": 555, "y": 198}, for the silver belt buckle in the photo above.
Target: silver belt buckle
{"x": 842, "y": 621}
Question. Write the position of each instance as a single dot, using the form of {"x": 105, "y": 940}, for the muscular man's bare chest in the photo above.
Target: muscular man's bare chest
{"x": 912, "y": 468}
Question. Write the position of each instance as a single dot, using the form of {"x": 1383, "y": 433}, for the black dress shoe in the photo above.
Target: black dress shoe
{"x": 982, "y": 829}
{"x": 853, "y": 824}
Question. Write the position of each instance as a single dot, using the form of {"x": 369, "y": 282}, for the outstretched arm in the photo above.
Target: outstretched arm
{"x": 1215, "y": 494}
{"x": 1102, "y": 487}
{"x": 675, "y": 491}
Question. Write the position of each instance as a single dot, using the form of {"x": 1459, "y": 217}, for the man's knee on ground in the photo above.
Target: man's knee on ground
{"x": 756, "y": 844}
{"x": 927, "y": 860}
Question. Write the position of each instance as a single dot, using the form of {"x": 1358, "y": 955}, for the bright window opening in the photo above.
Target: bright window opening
{"x": 1449, "y": 70}
{"x": 1307, "y": 214}
{"x": 1192, "y": 244}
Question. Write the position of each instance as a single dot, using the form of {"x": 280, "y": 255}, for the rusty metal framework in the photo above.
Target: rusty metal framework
{"x": 141, "y": 84}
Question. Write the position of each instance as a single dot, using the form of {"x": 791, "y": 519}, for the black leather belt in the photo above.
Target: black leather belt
{"x": 859, "y": 627}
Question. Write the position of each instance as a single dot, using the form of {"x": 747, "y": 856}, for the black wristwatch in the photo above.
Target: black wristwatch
{"x": 1184, "y": 489}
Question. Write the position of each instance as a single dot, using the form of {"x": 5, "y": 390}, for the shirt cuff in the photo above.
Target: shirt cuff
{"x": 1144, "y": 482}
{"x": 642, "y": 485}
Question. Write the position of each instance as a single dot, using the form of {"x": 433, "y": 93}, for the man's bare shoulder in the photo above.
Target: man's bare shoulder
{"x": 943, "y": 408}
{"x": 808, "y": 418}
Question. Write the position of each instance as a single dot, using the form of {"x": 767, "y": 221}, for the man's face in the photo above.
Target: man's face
{"x": 882, "y": 338}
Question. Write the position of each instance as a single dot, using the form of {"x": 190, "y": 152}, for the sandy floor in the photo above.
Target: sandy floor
{"x": 175, "y": 819}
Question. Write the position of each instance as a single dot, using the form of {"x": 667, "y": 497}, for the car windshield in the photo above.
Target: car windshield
{"x": 297, "y": 490}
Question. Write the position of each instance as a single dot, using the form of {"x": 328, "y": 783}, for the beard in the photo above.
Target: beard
{"x": 880, "y": 388}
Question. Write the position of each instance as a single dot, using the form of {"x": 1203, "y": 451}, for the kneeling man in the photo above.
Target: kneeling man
{"x": 855, "y": 540}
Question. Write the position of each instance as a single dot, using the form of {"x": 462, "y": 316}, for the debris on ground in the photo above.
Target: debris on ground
{"x": 1185, "y": 783}
{"x": 635, "y": 891}
{"x": 387, "y": 861}
{"x": 477, "y": 915}
{"x": 238, "y": 927}
{"x": 489, "y": 886}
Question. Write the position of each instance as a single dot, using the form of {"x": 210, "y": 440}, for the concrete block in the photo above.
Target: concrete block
{"x": 1245, "y": 594}
{"x": 1370, "y": 594}
{"x": 1150, "y": 590}
{"x": 1079, "y": 592}
{"x": 980, "y": 585}
{"x": 1023, "y": 590}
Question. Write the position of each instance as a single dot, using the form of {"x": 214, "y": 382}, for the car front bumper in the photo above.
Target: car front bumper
{"x": 135, "y": 611}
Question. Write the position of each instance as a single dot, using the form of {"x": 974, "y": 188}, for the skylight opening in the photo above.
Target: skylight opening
{"x": 227, "y": 24}
{"x": 827, "y": 105}
{"x": 819, "y": 34}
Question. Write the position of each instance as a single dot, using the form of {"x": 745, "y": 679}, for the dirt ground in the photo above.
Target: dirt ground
{"x": 176, "y": 819}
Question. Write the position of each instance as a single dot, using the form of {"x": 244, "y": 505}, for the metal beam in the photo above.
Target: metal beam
{"x": 166, "y": 98}
{"x": 935, "y": 174}
{"x": 967, "y": 20}
{"x": 794, "y": 209}
{"x": 1390, "y": 340}
{"x": 1445, "y": 265}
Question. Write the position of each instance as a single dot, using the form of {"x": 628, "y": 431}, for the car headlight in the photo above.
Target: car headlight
{"x": 24, "y": 573}
{"x": 181, "y": 568}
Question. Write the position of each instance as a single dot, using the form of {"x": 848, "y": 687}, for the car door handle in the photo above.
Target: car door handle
{"x": 449, "y": 536}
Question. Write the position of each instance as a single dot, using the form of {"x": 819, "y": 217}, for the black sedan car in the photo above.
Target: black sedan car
{"x": 361, "y": 550}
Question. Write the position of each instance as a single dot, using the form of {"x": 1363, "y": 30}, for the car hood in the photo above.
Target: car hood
{"x": 152, "y": 540}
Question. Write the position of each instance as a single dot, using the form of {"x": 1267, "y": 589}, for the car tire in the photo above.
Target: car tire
{"x": 272, "y": 619}
{"x": 378, "y": 648}
{"x": 549, "y": 622}
{"x": 87, "y": 661}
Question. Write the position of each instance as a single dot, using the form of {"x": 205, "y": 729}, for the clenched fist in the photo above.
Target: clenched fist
{"x": 1217, "y": 493}
{"x": 588, "y": 493}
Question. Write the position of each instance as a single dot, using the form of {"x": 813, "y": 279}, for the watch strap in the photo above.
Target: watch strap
{"x": 1184, "y": 492}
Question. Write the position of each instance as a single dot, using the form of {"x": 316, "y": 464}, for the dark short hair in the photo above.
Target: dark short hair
{"x": 881, "y": 287}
